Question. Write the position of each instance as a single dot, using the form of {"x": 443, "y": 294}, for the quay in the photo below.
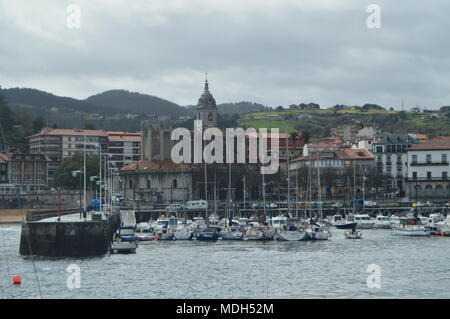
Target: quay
{"x": 68, "y": 235}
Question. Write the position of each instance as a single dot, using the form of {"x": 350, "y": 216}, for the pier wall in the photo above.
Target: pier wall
{"x": 68, "y": 239}
{"x": 47, "y": 199}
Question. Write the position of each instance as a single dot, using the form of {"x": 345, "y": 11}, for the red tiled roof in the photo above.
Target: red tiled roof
{"x": 343, "y": 154}
{"x": 437, "y": 143}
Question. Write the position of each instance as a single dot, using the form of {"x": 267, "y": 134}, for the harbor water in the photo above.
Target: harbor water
{"x": 337, "y": 268}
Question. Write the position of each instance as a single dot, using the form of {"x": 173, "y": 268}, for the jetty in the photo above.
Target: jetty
{"x": 69, "y": 235}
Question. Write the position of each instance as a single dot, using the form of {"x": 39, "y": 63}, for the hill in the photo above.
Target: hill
{"x": 120, "y": 101}
{"x": 318, "y": 123}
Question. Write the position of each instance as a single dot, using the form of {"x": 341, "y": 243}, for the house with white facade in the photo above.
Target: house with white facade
{"x": 428, "y": 169}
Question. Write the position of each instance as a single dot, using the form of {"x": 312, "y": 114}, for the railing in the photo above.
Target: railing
{"x": 441, "y": 163}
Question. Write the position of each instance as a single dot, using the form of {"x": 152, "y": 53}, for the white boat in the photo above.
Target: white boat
{"x": 353, "y": 233}
{"x": 316, "y": 231}
{"x": 143, "y": 228}
{"x": 254, "y": 231}
{"x": 382, "y": 222}
{"x": 183, "y": 234}
{"x": 363, "y": 221}
{"x": 118, "y": 246}
{"x": 232, "y": 233}
{"x": 293, "y": 233}
{"x": 443, "y": 227}
{"x": 278, "y": 222}
{"x": 410, "y": 226}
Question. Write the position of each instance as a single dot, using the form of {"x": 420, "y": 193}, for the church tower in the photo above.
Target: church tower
{"x": 206, "y": 108}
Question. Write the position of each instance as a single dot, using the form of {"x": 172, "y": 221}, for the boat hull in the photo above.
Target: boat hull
{"x": 410, "y": 232}
{"x": 351, "y": 235}
{"x": 291, "y": 236}
{"x": 183, "y": 235}
{"x": 207, "y": 236}
{"x": 344, "y": 226}
{"x": 232, "y": 235}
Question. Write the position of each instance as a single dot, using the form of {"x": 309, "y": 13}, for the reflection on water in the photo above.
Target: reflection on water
{"x": 410, "y": 268}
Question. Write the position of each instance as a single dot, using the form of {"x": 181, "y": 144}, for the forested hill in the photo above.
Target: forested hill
{"x": 132, "y": 102}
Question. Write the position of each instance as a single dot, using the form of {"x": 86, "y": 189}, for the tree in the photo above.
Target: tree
{"x": 38, "y": 124}
{"x": 306, "y": 136}
{"x": 64, "y": 177}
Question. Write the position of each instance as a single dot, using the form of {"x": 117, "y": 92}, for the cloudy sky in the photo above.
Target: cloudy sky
{"x": 275, "y": 52}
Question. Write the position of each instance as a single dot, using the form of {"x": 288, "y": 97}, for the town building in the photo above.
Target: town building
{"x": 29, "y": 170}
{"x": 428, "y": 169}
{"x": 391, "y": 159}
{"x": 341, "y": 172}
{"x": 61, "y": 144}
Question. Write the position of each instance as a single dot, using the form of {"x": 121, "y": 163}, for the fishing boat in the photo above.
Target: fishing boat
{"x": 353, "y": 233}
{"x": 143, "y": 228}
{"x": 292, "y": 233}
{"x": 162, "y": 230}
{"x": 410, "y": 226}
{"x": 382, "y": 222}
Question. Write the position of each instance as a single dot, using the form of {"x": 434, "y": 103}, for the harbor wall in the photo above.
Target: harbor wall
{"x": 68, "y": 239}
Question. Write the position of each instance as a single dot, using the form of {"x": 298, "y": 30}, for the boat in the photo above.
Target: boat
{"x": 145, "y": 237}
{"x": 126, "y": 234}
{"x": 316, "y": 231}
{"x": 410, "y": 226}
{"x": 232, "y": 233}
{"x": 292, "y": 233}
{"x": 183, "y": 234}
{"x": 162, "y": 230}
{"x": 363, "y": 221}
{"x": 208, "y": 235}
{"x": 353, "y": 233}
{"x": 443, "y": 227}
{"x": 255, "y": 231}
{"x": 143, "y": 228}
{"x": 120, "y": 246}
{"x": 382, "y": 222}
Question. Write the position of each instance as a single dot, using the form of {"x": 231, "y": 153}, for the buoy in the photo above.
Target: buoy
{"x": 17, "y": 280}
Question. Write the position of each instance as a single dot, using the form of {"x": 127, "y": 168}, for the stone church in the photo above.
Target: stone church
{"x": 156, "y": 179}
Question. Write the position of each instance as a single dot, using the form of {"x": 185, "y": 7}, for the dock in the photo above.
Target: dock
{"x": 69, "y": 235}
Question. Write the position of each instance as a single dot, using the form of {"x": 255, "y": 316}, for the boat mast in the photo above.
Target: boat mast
{"x": 318, "y": 188}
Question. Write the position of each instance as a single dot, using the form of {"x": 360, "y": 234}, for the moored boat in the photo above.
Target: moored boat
{"x": 410, "y": 226}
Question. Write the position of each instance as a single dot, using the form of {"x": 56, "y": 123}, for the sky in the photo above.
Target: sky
{"x": 274, "y": 52}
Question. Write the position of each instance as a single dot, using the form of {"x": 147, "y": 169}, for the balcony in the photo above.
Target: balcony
{"x": 441, "y": 163}
{"x": 427, "y": 179}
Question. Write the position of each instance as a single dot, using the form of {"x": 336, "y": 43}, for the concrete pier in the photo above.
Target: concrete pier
{"x": 69, "y": 237}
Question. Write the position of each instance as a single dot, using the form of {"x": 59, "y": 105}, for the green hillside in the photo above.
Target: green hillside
{"x": 319, "y": 122}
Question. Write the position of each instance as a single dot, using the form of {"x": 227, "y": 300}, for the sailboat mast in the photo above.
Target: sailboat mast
{"x": 318, "y": 187}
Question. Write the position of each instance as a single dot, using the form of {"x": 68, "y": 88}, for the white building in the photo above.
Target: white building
{"x": 428, "y": 169}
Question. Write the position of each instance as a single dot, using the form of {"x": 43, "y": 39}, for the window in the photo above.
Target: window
{"x": 444, "y": 175}
{"x": 444, "y": 158}
{"x": 414, "y": 175}
{"x": 210, "y": 117}
{"x": 148, "y": 184}
{"x": 428, "y": 175}
{"x": 414, "y": 159}
{"x": 174, "y": 183}
{"x": 130, "y": 184}
{"x": 428, "y": 158}
{"x": 379, "y": 149}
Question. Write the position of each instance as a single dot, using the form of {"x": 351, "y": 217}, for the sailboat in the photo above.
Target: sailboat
{"x": 315, "y": 230}
{"x": 211, "y": 232}
{"x": 231, "y": 232}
